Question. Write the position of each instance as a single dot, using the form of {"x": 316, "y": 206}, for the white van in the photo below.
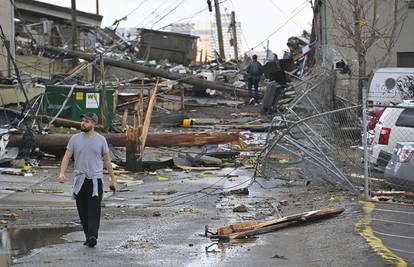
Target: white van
{"x": 391, "y": 86}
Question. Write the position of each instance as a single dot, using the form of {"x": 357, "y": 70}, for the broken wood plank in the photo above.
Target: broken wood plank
{"x": 118, "y": 172}
{"x": 393, "y": 193}
{"x": 47, "y": 191}
{"x": 242, "y": 230}
{"x": 148, "y": 115}
{"x": 236, "y": 228}
{"x": 190, "y": 168}
{"x": 164, "y": 192}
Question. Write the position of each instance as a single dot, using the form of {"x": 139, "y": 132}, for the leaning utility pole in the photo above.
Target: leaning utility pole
{"x": 234, "y": 30}
{"x": 74, "y": 27}
{"x": 7, "y": 46}
{"x": 219, "y": 29}
{"x": 6, "y": 21}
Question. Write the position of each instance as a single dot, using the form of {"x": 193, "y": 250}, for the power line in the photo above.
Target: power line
{"x": 284, "y": 24}
{"x": 284, "y": 13}
{"x": 169, "y": 12}
{"x": 149, "y": 15}
{"x": 189, "y": 18}
{"x": 157, "y": 15}
{"x": 135, "y": 9}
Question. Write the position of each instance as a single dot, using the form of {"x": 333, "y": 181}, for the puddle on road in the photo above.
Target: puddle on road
{"x": 20, "y": 241}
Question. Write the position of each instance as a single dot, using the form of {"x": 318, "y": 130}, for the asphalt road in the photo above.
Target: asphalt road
{"x": 175, "y": 237}
{"x": 394, "y": 225}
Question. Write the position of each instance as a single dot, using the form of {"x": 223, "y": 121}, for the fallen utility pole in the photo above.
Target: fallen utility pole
{"x": 188, "y": 79}
{"x": 153, "y": 139}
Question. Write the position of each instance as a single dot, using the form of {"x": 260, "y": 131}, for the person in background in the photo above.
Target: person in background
{"x": 254, "y": 72}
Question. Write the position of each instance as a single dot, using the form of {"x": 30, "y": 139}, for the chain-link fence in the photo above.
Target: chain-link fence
{"x": 318, "y": 137}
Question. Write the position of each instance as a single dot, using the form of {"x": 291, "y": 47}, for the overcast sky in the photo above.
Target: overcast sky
{"x": 259, "y": 18}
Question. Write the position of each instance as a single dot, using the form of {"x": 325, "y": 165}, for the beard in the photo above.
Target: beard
{"x": 86, "y": 130}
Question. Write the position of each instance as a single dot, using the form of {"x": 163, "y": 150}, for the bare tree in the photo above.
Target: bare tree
{"x": 360, "y": 27}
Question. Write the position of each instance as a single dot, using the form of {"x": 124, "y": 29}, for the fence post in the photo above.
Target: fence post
{"x": 365, "y": 139}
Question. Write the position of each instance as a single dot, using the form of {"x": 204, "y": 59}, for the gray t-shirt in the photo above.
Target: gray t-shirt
{"x": 88, "y": 153}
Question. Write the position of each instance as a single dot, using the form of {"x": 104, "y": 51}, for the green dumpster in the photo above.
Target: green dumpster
{"x": 83, "y": 99}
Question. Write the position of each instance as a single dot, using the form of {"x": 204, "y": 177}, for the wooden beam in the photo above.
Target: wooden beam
{"x": 249, "y": 229}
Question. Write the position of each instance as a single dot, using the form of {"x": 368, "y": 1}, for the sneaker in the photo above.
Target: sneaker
{"x": 85, "y": 243}
{"x": 91, "y": 241}
{"x": 251, "y": 101}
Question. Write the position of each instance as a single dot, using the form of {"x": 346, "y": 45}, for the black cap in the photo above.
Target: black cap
{"x": 90, "y": 116}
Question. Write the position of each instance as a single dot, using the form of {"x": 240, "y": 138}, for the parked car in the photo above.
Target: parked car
{"x": 400, "y": 169}
{"x": 395, "y": 125}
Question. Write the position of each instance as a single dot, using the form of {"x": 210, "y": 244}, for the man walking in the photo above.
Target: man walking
{"x": 90, "y": 151}
{"x": 254, "y": 72}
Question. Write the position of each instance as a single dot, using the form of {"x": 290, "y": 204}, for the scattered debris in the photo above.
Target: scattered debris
{"x": 17, "y": 171}
{"x": 47, "y": 191}
{"x": 187, "y": 210}
{"x": 158, "y": 199}
{"x": 239, "y": 192}
{"x": 276, "y": 256}
{"x": 11, "y": 216}
{"x": 407, "y": 194}
{"x": 283, "y": 202}
{"x": 241, "y": 208}
{"x": 156, "y": 214}
{"x": 163, "y": 178}
{"x": 164, "y": 192}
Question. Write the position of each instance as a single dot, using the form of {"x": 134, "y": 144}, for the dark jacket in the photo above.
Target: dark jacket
{"x": 255, "y": 69}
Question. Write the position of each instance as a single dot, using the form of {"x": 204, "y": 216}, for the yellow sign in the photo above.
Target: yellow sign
{"x": 363, "y": 23}
{"x": 79, "y": 96}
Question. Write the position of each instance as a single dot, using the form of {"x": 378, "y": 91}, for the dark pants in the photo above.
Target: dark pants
{"x": 89, "y": 208}
{"x": 253, "y": 82}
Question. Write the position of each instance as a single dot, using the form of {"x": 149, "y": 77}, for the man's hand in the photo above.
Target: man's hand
{"x": 114, "y": 185}
{"x": 62, "y": 178}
